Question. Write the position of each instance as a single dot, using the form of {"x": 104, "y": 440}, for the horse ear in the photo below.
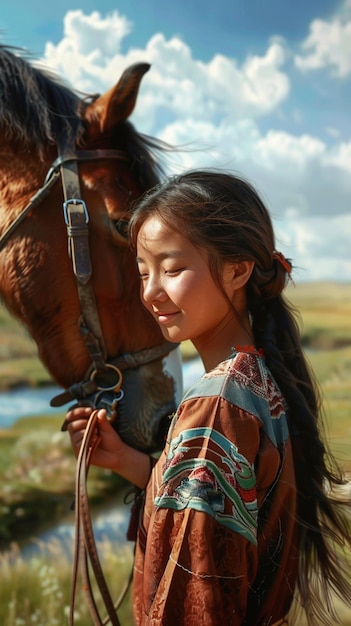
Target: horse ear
{"x": 117, "y": 104}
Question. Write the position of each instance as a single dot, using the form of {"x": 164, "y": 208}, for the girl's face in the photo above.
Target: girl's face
{"x": 177, "y": 286}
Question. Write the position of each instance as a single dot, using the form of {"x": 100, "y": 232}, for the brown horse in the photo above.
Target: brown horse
{"x": 66, "y": 270}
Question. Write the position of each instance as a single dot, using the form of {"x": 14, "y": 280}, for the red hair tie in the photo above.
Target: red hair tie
{"x": 286, "y": 263}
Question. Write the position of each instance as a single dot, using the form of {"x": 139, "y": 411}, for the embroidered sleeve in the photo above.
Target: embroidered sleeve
{"x": 201, "y": 552}
{"x": 221, "y": 484}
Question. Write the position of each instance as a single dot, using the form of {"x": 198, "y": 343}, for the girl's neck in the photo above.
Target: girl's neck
{"x": 218, "y": 348}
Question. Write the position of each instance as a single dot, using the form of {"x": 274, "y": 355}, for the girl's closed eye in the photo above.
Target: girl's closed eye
{"x": 142, "y": 274}
{"x": 142, "y": 271}
{"x": 174, "y": 271}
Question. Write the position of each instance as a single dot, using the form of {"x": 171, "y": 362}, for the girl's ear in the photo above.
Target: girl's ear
{"x": 242, "y": 273}
{"x": 236, "y": 275}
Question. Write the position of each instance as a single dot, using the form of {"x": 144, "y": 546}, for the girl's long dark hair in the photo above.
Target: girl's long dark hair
{"x": 223, "y": 214}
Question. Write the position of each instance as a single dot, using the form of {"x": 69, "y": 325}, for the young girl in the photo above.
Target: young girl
{"x": 239, "y": 516}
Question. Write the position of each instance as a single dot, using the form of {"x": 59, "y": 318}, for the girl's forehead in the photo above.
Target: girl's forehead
{"x": 155, "y": 230}
{"x": 158, "y": 239}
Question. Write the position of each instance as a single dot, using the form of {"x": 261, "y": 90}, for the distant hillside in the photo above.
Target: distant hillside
{"x": 324, "y": 309}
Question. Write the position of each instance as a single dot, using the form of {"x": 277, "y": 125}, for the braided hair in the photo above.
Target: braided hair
{"x": 224, "y": 215}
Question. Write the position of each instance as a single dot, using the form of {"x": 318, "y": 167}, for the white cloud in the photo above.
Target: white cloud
{"x": 214, "y": 110}
{"x": 328, "y": 45}
{"x": 318, "y": 246}
{"x": 89, "y": 55}
{"x": 94, "y": 33}
{"x": 89, "y": 45}
{"x": 264, "y": 83}
{"x": 340, "y": 157}
{"x": 299, "y": 175}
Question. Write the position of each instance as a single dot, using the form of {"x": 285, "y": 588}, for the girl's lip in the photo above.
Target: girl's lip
{"x": 163, "y": 318}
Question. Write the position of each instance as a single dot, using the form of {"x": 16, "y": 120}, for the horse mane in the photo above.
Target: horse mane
{"x": 37, "y": 108}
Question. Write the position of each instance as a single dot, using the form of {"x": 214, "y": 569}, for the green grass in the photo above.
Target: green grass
{"x": 37, "y": 467}
{"x": 332, "y": 369}
{"x": 37, "y": 592}
{"x": 37, "y": 477}
{"x": 19, "y": 362}
{"x": 325, "y": 310}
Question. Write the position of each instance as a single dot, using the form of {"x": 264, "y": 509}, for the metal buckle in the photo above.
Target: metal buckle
{"x": 75, "y": 202}
{"x": 108, "y": 401}
{"x": 116, "y": 386}
{"x": 108, "y": 396}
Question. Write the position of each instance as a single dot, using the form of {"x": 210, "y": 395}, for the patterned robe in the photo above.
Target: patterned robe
{"x": 217, "y": 542}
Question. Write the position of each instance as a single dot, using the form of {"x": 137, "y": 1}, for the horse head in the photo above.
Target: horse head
{"x": 66, "y": 270}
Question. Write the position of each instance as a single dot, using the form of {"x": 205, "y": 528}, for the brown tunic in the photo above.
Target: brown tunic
{"x": 217, "y": 543}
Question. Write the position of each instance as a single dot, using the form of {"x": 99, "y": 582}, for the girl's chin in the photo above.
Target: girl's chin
{"x": 173, "y": 334}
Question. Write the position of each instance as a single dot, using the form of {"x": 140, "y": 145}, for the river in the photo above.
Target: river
{"x": 24, "y": 402}
{"x": 110, "y": 521}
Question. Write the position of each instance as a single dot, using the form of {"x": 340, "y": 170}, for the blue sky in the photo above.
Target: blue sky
{"x": 251, "y": 86}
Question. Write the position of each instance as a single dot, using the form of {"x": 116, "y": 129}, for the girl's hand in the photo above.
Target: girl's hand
{"x": 111, "y": 452}
{"x": 110, "y": 445}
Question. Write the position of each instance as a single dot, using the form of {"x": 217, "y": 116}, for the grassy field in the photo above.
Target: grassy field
{"x": 37, "y": 592}
{"x": 325, "y": 313}
{"x": 37, "y": 465}
{"x": 19, "y": 363}
{"x": 324, "y": 310}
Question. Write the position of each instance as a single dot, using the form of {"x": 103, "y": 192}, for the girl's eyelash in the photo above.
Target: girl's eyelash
{"x": 174, "y": 271}
{"x": 170, "y": 271}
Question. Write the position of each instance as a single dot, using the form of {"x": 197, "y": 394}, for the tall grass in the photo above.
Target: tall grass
{"x": 333, "y": 371}
{"x": 36, "y": 591}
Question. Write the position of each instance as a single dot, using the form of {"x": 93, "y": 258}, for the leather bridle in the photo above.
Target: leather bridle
{"x": 76, "y": 218}
{"x": 102, "y": 386}
{"x": 102, "y": 376}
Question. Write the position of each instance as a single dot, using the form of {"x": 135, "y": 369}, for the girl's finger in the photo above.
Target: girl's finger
{"x": 74, "y": 414}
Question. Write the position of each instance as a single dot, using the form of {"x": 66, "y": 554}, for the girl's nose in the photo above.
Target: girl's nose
{"x": 152, "y": 291}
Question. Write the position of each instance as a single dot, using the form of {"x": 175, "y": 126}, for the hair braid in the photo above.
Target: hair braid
{"x": 322, "y": 522}
{"x": 224, "y": 215}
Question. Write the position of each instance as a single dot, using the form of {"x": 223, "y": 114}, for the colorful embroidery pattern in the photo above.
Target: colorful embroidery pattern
{"x": 245, "y": 382}
{"x": 222, "y": 485}
{"x": 250, "y": 373}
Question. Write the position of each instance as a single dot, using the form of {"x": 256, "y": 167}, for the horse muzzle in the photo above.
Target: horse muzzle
{"x": 141, "y": 405}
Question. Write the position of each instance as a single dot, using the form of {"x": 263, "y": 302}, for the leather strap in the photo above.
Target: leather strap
{"x": 86, "y": 388}
{"x": 86, "y": 555}
{"x": 34, "y": 201}
{"x": 77, "y": 218}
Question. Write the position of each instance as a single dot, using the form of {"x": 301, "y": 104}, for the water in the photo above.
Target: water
{"x": 25, "y": 402}
{"x": 109, "y": 522}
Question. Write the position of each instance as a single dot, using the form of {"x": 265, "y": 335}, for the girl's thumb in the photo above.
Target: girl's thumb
{"x": 104, "y": 424}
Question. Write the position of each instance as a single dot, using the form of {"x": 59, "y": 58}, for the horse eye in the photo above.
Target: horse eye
{"x": 122, "y": 228}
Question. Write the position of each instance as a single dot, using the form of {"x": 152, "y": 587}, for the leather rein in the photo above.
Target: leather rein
{"x": 103, "y": 383}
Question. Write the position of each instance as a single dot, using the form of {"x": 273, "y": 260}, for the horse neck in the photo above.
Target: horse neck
{"x": 21, "y": 175}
